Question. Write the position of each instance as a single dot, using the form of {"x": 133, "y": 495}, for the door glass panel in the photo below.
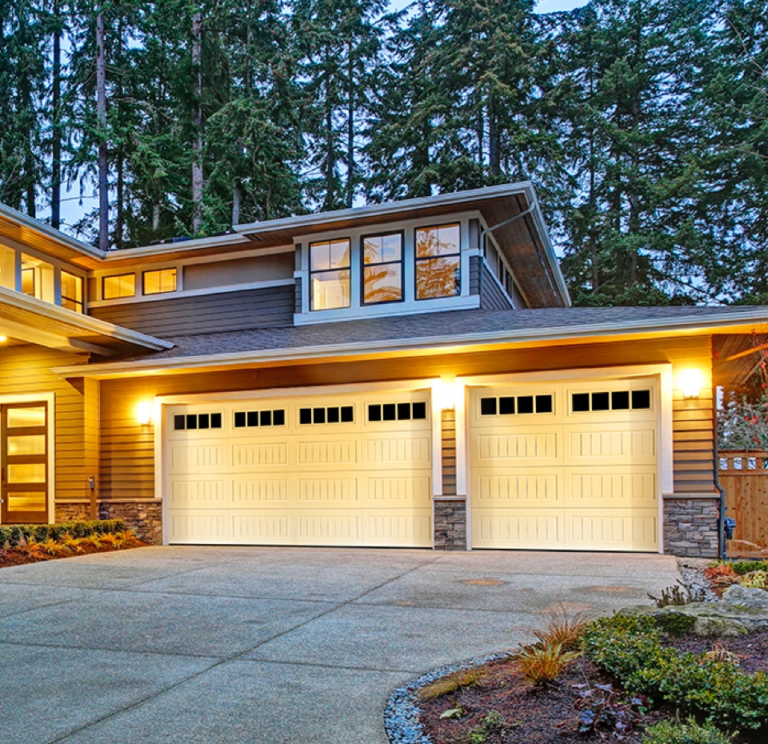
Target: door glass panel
{"x": 33, "y": 444}
{"x": 26, "y": 417}
{"x": 26, "y": 473}
{"x": 26, "y": 501}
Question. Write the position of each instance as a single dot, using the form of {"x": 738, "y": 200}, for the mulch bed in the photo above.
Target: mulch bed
{"x": 550, "y": 715}
{"x": 17, "y": 557}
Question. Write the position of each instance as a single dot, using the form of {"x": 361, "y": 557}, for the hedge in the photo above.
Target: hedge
{"x": 14, "y": 534}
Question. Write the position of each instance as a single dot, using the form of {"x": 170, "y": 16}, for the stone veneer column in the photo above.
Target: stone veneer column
{"x": 450, "y": 509}
{"x": 691, "y": 526}
{"x": 144, "y": 517}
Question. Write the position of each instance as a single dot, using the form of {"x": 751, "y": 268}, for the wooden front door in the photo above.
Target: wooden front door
{"x": 24, "y": 459}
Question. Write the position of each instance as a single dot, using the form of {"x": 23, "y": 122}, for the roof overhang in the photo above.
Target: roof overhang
{"x": 731, "y": 323}
{"x": 33, "y": 321}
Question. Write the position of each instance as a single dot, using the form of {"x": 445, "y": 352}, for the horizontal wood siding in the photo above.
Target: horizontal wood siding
{"x": 127, "y": 449}
{"x": 25, "y": 370}
{"x": 491, "y": 295}
{"x": 475, "y": 270}
{"x": 227, "y": 311}
{"x": 449, "y": 452}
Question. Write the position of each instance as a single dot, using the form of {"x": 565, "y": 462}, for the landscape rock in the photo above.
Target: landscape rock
{"x": 711, "y": 619}
{"x": 746, "y": 597}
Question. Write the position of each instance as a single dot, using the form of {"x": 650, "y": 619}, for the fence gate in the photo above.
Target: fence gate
{"x": 744, "y": 476}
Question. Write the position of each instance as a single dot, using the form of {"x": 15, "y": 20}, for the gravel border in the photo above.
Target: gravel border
{"x": 401, "y": 716}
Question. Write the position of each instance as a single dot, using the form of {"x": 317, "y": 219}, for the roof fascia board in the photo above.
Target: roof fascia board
{"x": 541, "y": 227}
{"x": 49, "y": 232}
{"x": 83, "y": 322}
{"x": 442, "y": 344}
{"x": 181, "y": 246}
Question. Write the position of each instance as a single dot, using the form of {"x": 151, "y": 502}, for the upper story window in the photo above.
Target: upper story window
{"x": 382, "y": 268}
{"x": 36, "y": 278}
{"x": 159, "y": 281}
{"x": 330, "y": 276}
{"x": 438, "y": 262}
{"x": 72, "y": 291}
{"x": 122, "y": 285}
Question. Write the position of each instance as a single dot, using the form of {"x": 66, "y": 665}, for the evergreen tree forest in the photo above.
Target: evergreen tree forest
{"x": 643, "y": 124}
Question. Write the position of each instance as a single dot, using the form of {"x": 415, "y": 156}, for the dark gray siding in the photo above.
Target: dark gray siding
{"x": 475, "y": 270}
{"x": 227, "y": 311}
{"x": 482, "y": 282}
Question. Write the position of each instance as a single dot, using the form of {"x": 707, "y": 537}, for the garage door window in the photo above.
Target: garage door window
{"x": 618, "y": 400}
{"x": 397, "y": 412}
{"x": 519, "y": 404}
{"x": 252, "y": 419}
{"x": 195, "y": 421}
{"x": 330, "y": 415}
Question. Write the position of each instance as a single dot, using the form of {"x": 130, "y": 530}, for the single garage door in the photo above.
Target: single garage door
{"x": 325, "y": 470}
{"x": 565, "y": 466}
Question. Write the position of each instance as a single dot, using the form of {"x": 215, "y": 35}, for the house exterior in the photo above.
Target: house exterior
{"x": 401, "y": 375}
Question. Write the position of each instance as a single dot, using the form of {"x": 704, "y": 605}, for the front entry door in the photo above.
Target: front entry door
{"x": 24, "y": 459}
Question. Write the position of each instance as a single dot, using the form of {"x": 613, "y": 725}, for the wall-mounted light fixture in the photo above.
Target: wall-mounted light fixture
{"x": 144, "y": 413}
{"x": 690, "y": 383}
{"x": 3, "y": 339}
{"x": 446, "y": 393}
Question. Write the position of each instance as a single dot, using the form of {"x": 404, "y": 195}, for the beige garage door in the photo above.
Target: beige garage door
{"x": 565, "y": 466}
{"x": 331, "y": 470}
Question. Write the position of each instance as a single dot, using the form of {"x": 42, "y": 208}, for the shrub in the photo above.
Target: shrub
{"x": 745, "y": 567}
{"x": 562, "y": 628}
{"x": 20, "y": 534}
{"x": 721, "y": 574}
{"x": 755, "y": 580}
{"x": 678, "y": 594}
{"x": 543, "y": 663}
{"x": 688, "y": 732}
{"x": 629, "y": 648}
{"x": 675, "y": 623}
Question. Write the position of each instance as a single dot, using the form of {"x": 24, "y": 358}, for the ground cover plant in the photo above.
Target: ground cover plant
{"x": 621, "y": 679}
{"x": 21, "y": 544}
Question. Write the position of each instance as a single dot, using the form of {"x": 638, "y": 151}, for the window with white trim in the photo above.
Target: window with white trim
{"x": 438, "y": 261}
{"x": 330, "y": 275}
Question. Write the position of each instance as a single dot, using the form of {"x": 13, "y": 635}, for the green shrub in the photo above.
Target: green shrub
{"x": 21, "y": 534}
{"x": 745, "y": 567}
{"x": 629, "y": 648}
{"x": 688, "y": 732}
{"x": 675, "y": 623}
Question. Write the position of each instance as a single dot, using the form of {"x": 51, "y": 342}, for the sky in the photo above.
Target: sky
{"x": 74, "y": 206}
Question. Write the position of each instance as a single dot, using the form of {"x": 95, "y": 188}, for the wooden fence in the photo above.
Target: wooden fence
{"x": 744, "y": 476}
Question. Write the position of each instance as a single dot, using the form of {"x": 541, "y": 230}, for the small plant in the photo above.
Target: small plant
{"x": 456, "y": 712}
{"x": 688, "y": 732}
{"x": 542, "y": 663}
{"x": 721, "y": 654}
{"x": 721, "y": 575}
{"x": 755, "y": 580}
{"x": 451, "y": 683}
{"x": 562, "y": 628}
{"x": 55, "y": 548}
{"x": 745, "y": 567}
{"x": 490, "y": 724}
{"x": 678, "y": 594}
{"x": 603, "y": 708}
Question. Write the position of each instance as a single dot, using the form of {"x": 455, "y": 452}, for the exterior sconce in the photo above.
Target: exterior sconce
{"x": 690, "y": 382}
{"x": 144, "y": 413}
{"x": 3, "y": 339}
{"x": 446, "y": 394}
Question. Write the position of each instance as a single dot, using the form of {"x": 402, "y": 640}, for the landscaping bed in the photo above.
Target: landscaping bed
{"x": 22, "y": 544}
{"x": 621, "y": 679}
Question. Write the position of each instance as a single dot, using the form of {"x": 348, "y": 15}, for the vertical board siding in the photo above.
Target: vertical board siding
{"x": 227, "y": 311}
{"x": 744, "y": 476}
{"x": 25, "y": 370}
{"x": 127, "y": 463}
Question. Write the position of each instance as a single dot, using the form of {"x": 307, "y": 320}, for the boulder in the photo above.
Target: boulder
{"x": 741, "y": 596}
{"x": 707, "y": 618}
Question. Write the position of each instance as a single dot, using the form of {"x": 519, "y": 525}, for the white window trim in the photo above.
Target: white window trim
{"x": 50, "y": 400}
{"x": 665, "y": 454}
{"x": 409, "y": 305}
{"x": 160, "y": 402}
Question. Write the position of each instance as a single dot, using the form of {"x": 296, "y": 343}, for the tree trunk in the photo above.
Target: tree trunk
{"x": 56, "y": 133}
{"x": 350, "y": 128}
{"x": 101, "y": 114}
{"x": 237, "y": 200}
{"x": 494, "y": 150}
{"x": 197, "y": 121}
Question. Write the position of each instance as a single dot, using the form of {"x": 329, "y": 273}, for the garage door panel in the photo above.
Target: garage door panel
{"x": 259, "y": 490}
{"x": 205, "y": 528}
{"x": 611, "y": 486}
{"x": 321, "y": 528}
{"x": 517, "y": 488}
{"x": 521, "y": 528}
{"x": 198, "y": 493}
{"x": 399, "y": 528}
{"x": 196, "y": 457}
{"x": 319, "y": 488}
{"x": 392, "y": 491}
{"x": 396, "y": 450}
{"x": 344, "y": 451}
{"x": 537, "y": 446}
{"x": 612, "y": 529}
{"x": 607, "y": 444}
{"x": 264, "y": 454}
{"x": 265, "y": 527}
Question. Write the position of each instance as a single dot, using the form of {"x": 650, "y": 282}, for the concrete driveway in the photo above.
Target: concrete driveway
{"x": 269, "y": 645}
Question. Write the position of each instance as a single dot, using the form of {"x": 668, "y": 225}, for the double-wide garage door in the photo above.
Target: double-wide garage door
{"x": 328, "y": 470}
{"x": 565, "y": 466}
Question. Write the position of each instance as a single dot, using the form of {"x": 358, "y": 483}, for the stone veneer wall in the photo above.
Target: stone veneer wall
{"x": 143, "y": 517}
{"x": 451, "y": 525}
{"x": 691, "y": 527}
{"x": 72, "y": 512}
